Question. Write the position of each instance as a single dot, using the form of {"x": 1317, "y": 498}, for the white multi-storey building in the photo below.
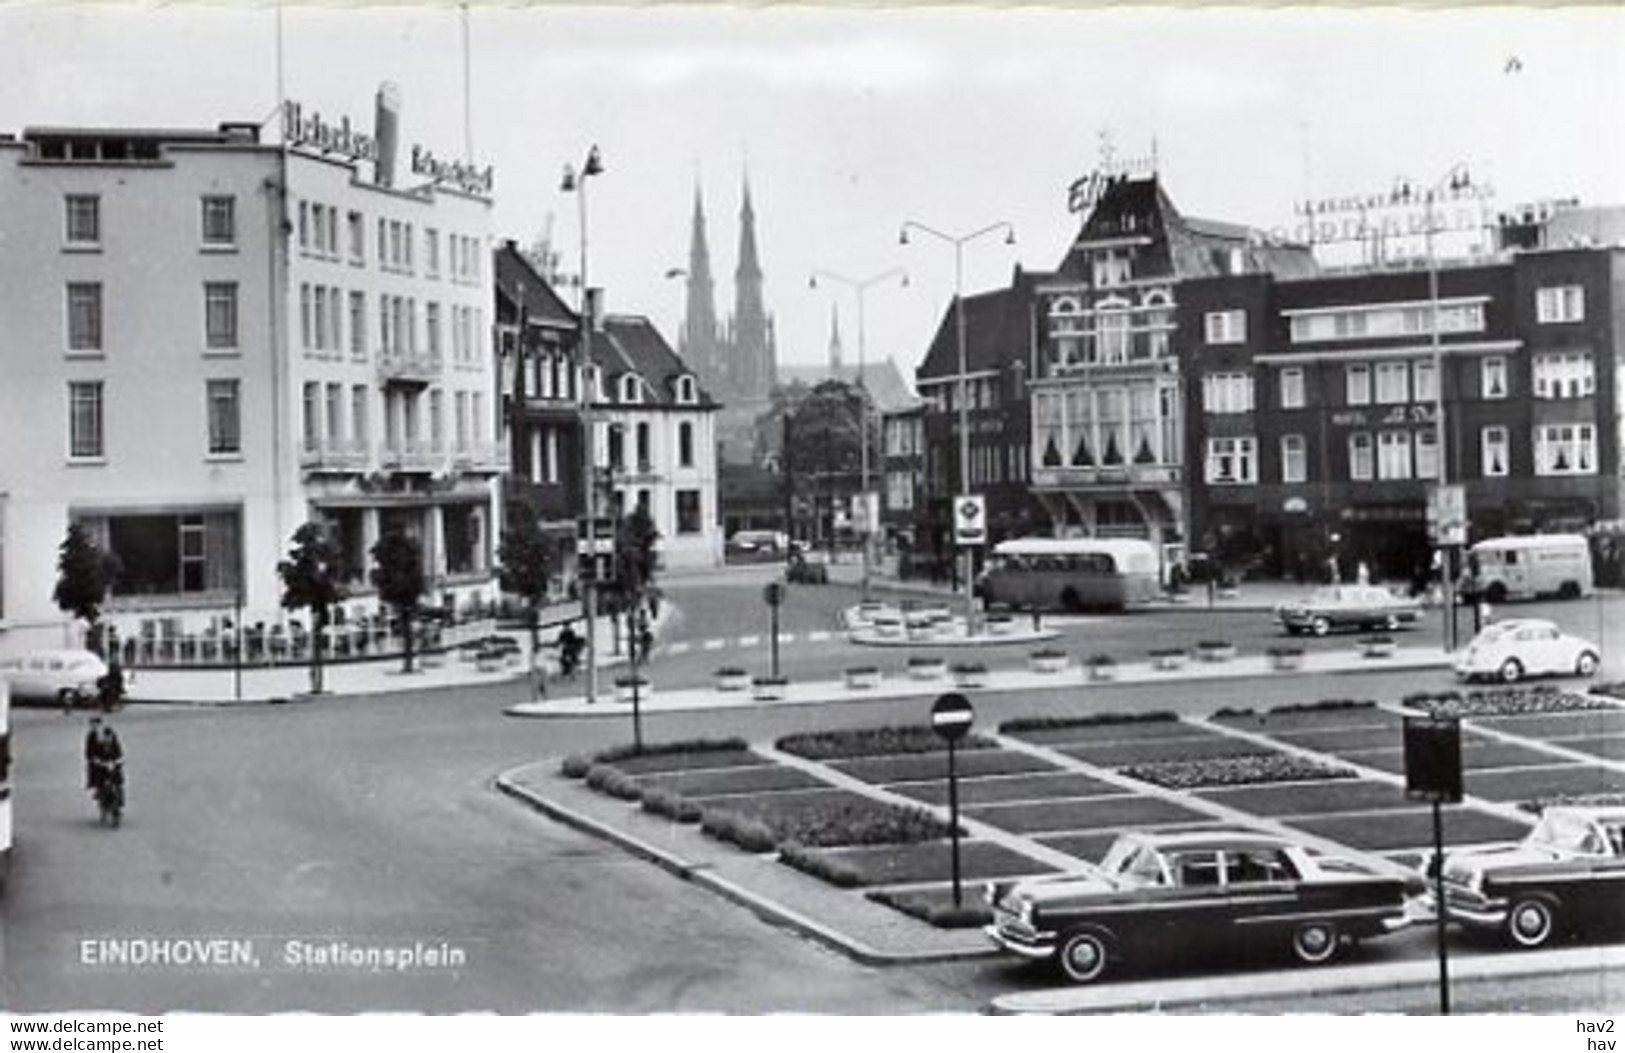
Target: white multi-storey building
{"x": 211, "y": 340}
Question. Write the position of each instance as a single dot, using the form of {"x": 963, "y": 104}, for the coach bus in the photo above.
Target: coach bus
{"x": 1071, "y": 574}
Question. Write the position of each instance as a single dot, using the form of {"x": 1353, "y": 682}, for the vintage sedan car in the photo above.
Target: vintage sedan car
{"x": 64, "y": 676}
{"x": 1520, "y": 647}
{"x": 1194, "y": 891}
{"x": 1347, "y": 607}
{"x": 753, "y": 546}
{"x": 1566, "y": 877}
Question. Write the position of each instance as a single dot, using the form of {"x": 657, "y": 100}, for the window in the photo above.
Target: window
{"x": 688, "y": 511}
{"x": 1424, "y": 381}
{"x": 1394, "y": 455}
{"x": 1568, "y": 375}
{"x": 1294, "y": 459}
{"x": 1232, "y": 460}
{"x": 83, "y": 220}
{"x": 358, "y": 325}
{"x": 1110, "y": 269}
{"x": 313, "y": 415}
{"x": 1359, "y": 385}
{"x": 1494, "y": 447}
{"x": 319, "y": 318}
{"x": 1292, "y": 391}
{"x": 359, "y": 399}
{"x": 1427, "y": 454}
{"x": 686, "y": 391}
{"x": 1493, "y": 378}
{"x": 685, "y": 445}
{"x": 1225, "y": 327}
{"x": 1360, "y": 455}
{"x": 1393, "y": 382}
{"x": 84, "y": 316}
{"x": 1227, "y": 393}
{"x": 1565, "y": 449}
{"x": 220, "y": 314}
{"x": 219, "y": 222}
{"x": 1112, "y": 331}
{"x": 1560, "y": 303}
{"x": 629, "y": 389}
{"x": 431, "y": 251}
{"x": 431, "y": 318}
{"x": 85, "y": 437}
{"x": 172, "y": 554}
{"x": 645, "y": 459}
{"x": 357, "y": 236}
{"x": 225, "y": 418}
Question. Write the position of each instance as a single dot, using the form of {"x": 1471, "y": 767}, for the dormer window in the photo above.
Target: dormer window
{"x": 631, "y": 390}
{"x": 687, "y": 390}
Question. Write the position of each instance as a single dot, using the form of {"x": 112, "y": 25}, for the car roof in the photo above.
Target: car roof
{"x": 1209, "y": 839}
{"x": 1508, "y": 624}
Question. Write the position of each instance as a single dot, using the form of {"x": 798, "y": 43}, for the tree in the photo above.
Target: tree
{"x": 635, "y": 564}
{"x": 84, "y": 575}
{"x": 397, "y": 574}
{"x": 310, "y": 581}
{"x": 526, "y": 563}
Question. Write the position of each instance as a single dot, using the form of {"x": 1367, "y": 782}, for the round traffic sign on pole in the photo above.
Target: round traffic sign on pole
{"x": 952, "y": 716}
{"x": 773, "y": 593}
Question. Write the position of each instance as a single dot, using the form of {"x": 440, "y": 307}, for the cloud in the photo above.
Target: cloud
{"x": 1204, "y": 89}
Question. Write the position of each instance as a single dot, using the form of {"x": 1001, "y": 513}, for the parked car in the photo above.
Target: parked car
{"x": 1347, "y": 607}
{"x": 1520, "y": 647}
{"x": 1185, "y": 892}
{"x": 1566, "y": 877}
{"x": 64, "y": 677}
{"x": 756, "y": 545}
{"x": 807, "y": 567}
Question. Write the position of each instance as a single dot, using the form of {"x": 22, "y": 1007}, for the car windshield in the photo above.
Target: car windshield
{"x": 1570, "y": 832}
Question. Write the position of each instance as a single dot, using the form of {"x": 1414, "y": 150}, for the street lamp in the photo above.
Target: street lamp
{"x": 959, "y": 242}
{"x": 860, "y": 287}
{"x": 576, "y": 183}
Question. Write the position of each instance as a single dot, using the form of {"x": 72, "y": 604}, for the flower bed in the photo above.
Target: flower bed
{"x": 716, "y": 782}
{"x": 732, "y": 678}
{"x": 828, "y": 819}
{"x": 969, "y": 674}
{"x": 1168, "y": 658}
{"x": 1504, "y": 701}
{"x": 872, "y": 742}
{"x": 1242, "y": 770}
{"x": 1101, "y": 666}
{"x": 1021, "y": 725}
{"x": 769, "y": 688}
{"x": 1377, "y": 646}
{"x": 927, "y": 668}
{"x": 666, "y": 756}
{"x": 917, "y": 767}
{"x": 862, "y": 677}
{"x": 1200, "y": 744}
{"x": 1047, "y": 661}
{"x": 1215, "y": 650}
{"x": 1283, "y": 659}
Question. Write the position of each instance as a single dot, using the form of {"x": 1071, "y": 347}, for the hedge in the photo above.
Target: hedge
{"x": 873, "y": 742}
{"x": 1093, "y": 720}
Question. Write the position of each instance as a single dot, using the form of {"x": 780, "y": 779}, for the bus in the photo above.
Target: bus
{"x": 1071, "y": 574}
{"x": 1528, "y": 566}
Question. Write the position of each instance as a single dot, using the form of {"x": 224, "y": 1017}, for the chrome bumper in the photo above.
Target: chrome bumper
{"x": 1478, "y": 912}
{"x": 1035, "y": 945}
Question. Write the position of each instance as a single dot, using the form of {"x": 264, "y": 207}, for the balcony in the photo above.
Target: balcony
{"x": 412, "y": 455}
{"x": 481, "y": 458}
{"x": 409, "y": 370}
{"x": 334, "y": 455}
{"x": 1110, "y": 476}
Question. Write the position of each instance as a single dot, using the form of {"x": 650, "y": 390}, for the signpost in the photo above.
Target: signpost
{"x": 1433, "y": 773}
{"x": 773, "y": 595}
{"x": 951, "y": 717}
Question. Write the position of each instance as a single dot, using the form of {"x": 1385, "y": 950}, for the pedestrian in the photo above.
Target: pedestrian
{"x": 102, "y": 747}
{"x": 110, "y": 686}
{"x": 569, "y": 645}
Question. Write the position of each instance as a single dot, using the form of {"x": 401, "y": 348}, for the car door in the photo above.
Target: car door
{"x": 1197, "y": 909}
{"x": 1264, "y": 893}
{"x": 1546, "y": 649}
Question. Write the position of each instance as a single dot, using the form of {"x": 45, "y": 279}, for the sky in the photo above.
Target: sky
{"x": 850, "y": 121}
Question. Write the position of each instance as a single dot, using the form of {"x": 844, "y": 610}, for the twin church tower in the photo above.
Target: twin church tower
{"x": 738, "y": 362}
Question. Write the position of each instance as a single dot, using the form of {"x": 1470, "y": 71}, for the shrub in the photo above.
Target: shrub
{"x": 872, "y": 742}
{"x": 1100, "y": 660}
{"x": 610, "y": 756}
{"x": 1093, "y": 720}
{"x": 575, "y": 766}
{"x": 606, "y": 778}
{"x": 1241, "y": 770}
{"x": 752, "y": 835}
{"x": 819, "y": 865}
{"x": 968, "y": 667}
{"x": 661, "y": 801}
{"x": 1232, "y": 712}
{"x": 730, "y": 670}
{"x": 865, "y": 823}
{"x": 1049, "y": 652}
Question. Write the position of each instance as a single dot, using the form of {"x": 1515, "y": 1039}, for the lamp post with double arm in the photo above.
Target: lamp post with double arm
{"x": 576, "y": 182}
{"x": 961, "y": 390}
{"x": 860, "y": 287}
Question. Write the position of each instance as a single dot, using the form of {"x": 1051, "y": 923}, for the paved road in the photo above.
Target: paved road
{"x": 374, "y": 822}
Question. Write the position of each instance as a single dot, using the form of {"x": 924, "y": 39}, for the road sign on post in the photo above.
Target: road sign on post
{"x": 1433, "y": 773}
{"x": 773, "y": 596}
{"x": 970, "y": 519}
{"x": 951, "y": 717}
{"x": 1447, "y": 514}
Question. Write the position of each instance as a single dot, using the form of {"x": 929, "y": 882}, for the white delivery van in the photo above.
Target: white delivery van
{"x": 1533, "y": 565}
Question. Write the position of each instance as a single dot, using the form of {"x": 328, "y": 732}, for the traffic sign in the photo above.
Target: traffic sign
{"x": 1447, "y": 514}
{"x": 970, "y": 519}
{"x": 773, "y": 594}
{"x": 952, "y": 716}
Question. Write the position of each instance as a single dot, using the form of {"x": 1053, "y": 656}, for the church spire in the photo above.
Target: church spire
{"x": 834, "y": 341}
{"x": 698, "y": 342}
{"x": 753, "y": 363}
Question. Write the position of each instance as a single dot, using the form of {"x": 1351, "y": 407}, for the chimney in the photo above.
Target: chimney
{"x": 595, "y": 309}
{"x": 387, "y": 133}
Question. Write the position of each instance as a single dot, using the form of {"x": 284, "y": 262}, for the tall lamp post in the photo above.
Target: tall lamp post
{"x": 860, "y": 287}
{"x": 962, "y": 387}
{"x": 576, "y": 182}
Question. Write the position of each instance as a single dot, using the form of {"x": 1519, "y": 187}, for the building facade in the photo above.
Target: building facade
{"x": 212, "y": 340}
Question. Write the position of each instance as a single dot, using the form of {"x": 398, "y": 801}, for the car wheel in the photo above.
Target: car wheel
{"x": 1511, "y": 671}
{"x": 1315, "y": 942}
{"x": 1496, "y": 593}
{"x": 1070, "y": 600}
{"x": 1530, "y": 922}
{"x": 1586, "y": 664}
{"x": 1320, "y": 626}
{"x": 1082, "y": 957}
{"x": 1569, "y": 590}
